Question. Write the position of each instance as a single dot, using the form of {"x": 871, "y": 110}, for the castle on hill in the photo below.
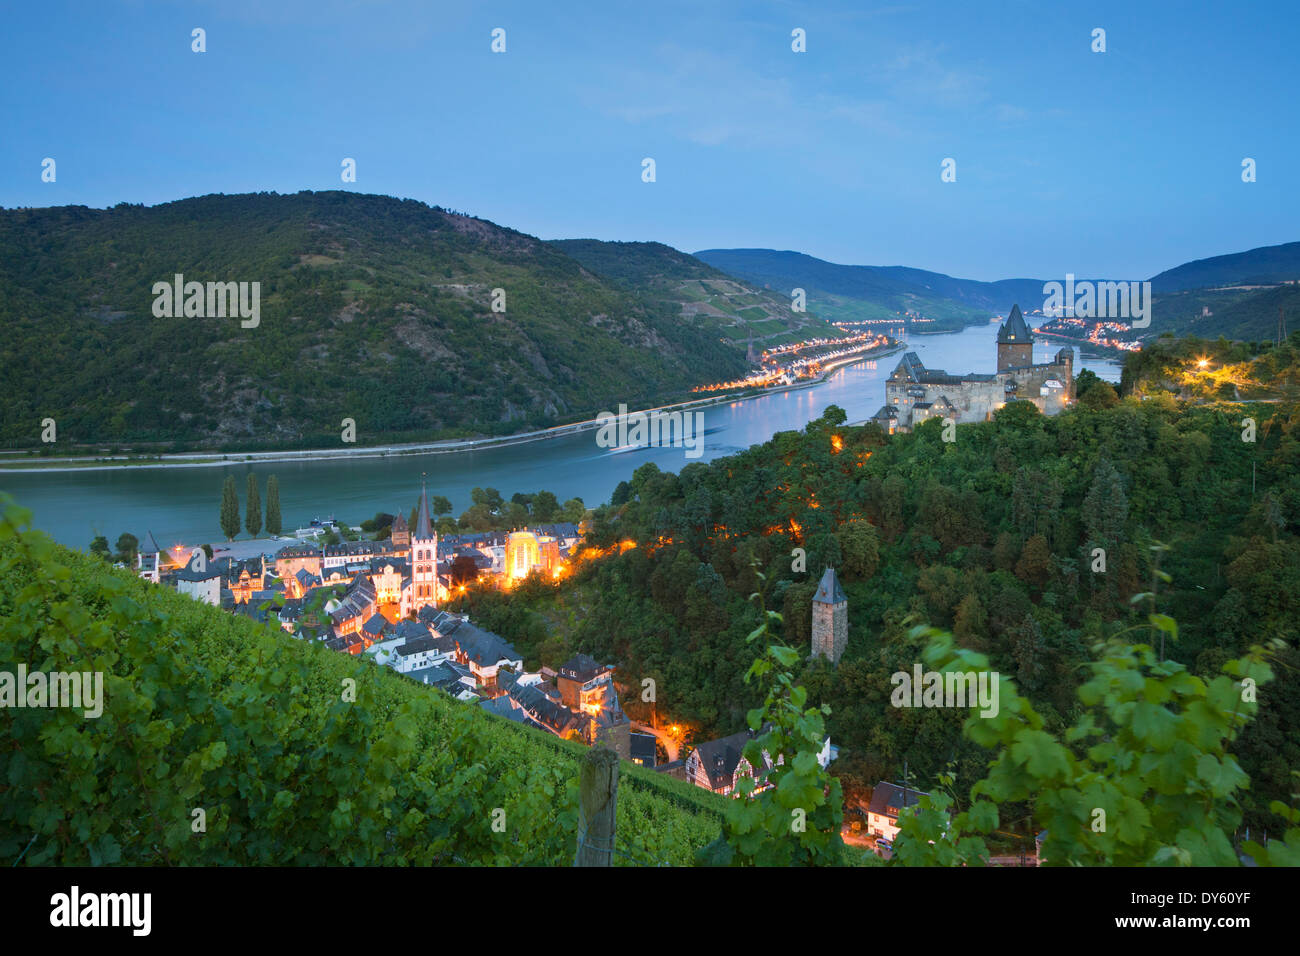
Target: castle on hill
{"x": 914, "y": 393}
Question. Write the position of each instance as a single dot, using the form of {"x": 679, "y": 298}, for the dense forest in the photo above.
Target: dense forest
{"x": 371, "y": 308}
{"x": 995, "y": 536}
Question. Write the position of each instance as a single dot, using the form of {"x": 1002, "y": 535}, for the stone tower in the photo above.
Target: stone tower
{"x": 400, "y": 533}
{"x": 424, "y": 557}
{"x": 1065, "y": 359}
{"x": 830, "y": 619}
{"x": 1015, "y": 343}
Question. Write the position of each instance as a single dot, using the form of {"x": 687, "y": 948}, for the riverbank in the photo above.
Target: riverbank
{"x": 1106, "y": 350}
{"x": 218, "y": 459}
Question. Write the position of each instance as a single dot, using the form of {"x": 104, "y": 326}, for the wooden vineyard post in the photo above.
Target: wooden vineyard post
{"x": 598, "y": 794}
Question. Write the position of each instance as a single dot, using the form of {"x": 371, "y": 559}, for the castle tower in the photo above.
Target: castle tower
{"x": 1065, "y": 359}
{"x": 400, "y": 533}
{"x": 830, "y": 619}
{"x": 1015, "y": 343}
{"x": 424, "y": 557}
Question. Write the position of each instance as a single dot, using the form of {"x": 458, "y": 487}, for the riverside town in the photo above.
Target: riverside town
{"x": 680, "y": 438}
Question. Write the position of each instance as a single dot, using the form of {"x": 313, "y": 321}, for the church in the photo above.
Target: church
{"x": 914, "y": 393}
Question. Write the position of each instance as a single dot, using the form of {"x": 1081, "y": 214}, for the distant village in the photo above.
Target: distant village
{"x": 384, "y": 600}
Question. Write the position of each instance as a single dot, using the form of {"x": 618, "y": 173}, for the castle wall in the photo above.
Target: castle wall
{"x": 976, "y": 401}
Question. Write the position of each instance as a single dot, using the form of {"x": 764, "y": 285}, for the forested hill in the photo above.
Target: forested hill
{"x": 372, "y": 308}
{"x": 1266, "y": 265}
{"x": 704, "y": 296}
{"x": 994, "y": 536}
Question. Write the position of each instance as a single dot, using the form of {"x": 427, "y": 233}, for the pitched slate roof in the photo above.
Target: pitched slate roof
{"x": 422, "y": 645}
{"x": 829, "y": 590}
{"x": 188, "y": 573}
{"x": 553, "y": 716}
{"x": 642, "y": 747}
{"x": 483, "y": 647}
{"x": 150, "y": 546}
{"x": 410, "y": 630}
{"x": 582, "y": 668}
{"x": 447, "y": 675}
{"x": 888, "y": 798}
{"x": 719, "y": 758}
{"x": 1014, "y": 329}
{"x": 504, "y": 706}
{"x": 298, "y": 551}
{"x": 909, "y": 367}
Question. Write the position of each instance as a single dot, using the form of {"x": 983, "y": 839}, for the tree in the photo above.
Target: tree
{"x": 1084, "y": 381}
{"x": 229, "y": 509}
{"x": 622, "y": 494}
{"x": 99, "y": 546}
{"x": 488, "y": 498}
{"x": 1104, "y": 513}
{"x": 253, "y": 511}
{"x": 1035, "y": 564}
{"x": 441, "y": 506}
{"x": 969, "y": 622}
{"x": 1099, "y": 396}
{"x": 545, "y": 505}
{"x": 463, "y": 570}
{"x": 516, "y": 515}
{"x": 574, "y": 510}
{"x": 127, "y": 545}
{"x": 859, "y": 547}
{"x": 891, "y": 505}
{"x": 273, "y": 506}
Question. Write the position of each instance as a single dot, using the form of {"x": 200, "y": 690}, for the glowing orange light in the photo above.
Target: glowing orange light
{"x": 837, "y": 442}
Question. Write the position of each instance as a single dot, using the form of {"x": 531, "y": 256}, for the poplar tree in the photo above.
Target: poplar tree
{"x": 229, "y": 509}
{"x": 253, "y": 510}
{"x": 273, "y": 506}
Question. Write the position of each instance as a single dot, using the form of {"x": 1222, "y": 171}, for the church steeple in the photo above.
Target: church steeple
{"x": 423, "y": 528}
{"x": 424, "y": 556}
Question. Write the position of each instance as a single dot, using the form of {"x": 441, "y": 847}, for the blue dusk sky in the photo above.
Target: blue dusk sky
{"x": 1120, "y": 163}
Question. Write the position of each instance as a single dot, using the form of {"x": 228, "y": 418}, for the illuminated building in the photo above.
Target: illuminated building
{"x": 527, "y": 552}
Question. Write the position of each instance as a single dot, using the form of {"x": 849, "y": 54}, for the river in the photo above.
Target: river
{"x": 181, "y": 504}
